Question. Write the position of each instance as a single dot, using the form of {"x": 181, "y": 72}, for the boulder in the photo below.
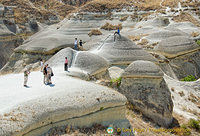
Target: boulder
{"x": 86, "y": 64}
{"x": 59, "y": 58}
{"x": 187, "y": 64}
{"x": 115, "y": 72}
{"x": 122, "y": 51}
{"x": 82, "y": 64}
{"x": 176, "y": 46}
{"x": 143, "y": 85}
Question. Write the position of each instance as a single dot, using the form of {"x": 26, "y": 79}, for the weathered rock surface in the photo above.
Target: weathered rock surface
{"x": 115, "y": 72}
{"x": 122, "y": 51}
{"x": 58, "y": 59}
{"x": 176, "y": 46}
{"x": 86, "y": 64}
{"x": 8, "y": 41}
{"x": 163, "y": 34}
{"x": 143, "y": 85}
{"x": 185, "y": 96}
{"x": 187, "y": 64}
{"x": 68, "y": 101}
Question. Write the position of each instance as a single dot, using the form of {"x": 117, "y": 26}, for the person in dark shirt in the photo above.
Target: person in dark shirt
{"x": 45, "y": 73}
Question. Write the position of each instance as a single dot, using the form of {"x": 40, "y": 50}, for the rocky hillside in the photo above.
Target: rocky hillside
{"x": 158, "y": 49}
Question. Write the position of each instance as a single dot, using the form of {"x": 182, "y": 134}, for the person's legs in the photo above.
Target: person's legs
{"x": 47, "y": 79}
{"x": 44, "y": 79}
{"x": 25, "y": 80}
{"x": 119, "y": 35}
{"x": 115, "y": 36}
{"x": 66, "y": 68}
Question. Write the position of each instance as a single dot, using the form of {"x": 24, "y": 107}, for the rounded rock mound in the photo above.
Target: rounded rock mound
{"x": 86, "y": 64}
{"x": 122, "y": 51}
{"x": 176, "y": 46}
{"x": 142, "y": 69}
{"x": 143, "y": 85}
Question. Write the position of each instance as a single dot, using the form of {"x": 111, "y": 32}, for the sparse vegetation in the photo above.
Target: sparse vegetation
{"x": 194, "y": 124}
{"x": 189, "y": 78}
{"x": 95, "y": 32}
{"x": 198, "y": 42}
{"x": 105, "y": 5}
{"x": 40, "y": 10}
{"x": 109, "y": 26}
{"x": 116, "y": 81}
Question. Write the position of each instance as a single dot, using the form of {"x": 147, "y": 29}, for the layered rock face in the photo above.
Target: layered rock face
{"x": 8, "y": 41}
{"x": 75, "y": 2}
{"x": 122, "y": 51}
{"x": 143, "y": 85}
{"x": 183, "y": 53}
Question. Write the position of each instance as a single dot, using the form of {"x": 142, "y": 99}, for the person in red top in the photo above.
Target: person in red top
{"x": 66, "y": 64}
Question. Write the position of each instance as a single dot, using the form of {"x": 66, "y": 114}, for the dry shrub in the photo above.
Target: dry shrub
{"x": 40, "y": 9}
{"x": 105, "y": 5}
{"x": 143, "y": 42}
{"x": 124, "y": 18}
{"x": 195, "y": 34}
{"x": 183, "y": 17}
{"x": 136, "y": 37}
{"x": 171, "y": 3}
{"x": 95, "y": 32}
{"x": 148, "y": 4}
{"x": 109, "y": 26}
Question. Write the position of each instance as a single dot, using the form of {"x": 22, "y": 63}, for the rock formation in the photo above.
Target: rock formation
{"x": 71, "y": 102}
{"x": 143, "y": 85}
{"x": 122, "y": 51}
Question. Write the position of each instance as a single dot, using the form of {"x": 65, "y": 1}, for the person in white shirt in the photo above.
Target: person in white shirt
{"x": 76, "y": 44}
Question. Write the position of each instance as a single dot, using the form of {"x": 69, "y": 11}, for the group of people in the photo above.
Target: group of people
{"x": 76, "y": 44}
{"x": 45, "y": 69}
{"x": 48, "y": 73}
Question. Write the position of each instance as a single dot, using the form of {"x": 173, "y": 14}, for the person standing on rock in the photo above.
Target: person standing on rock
{"x": 45, "y": 73}
{"x": 81, "y": 45}
{"x": 26, "y": 73}
{"x": 49, "y": 75}
{"x": 118, "y": 32}
{"x": 41, "y": 65}
{"x": 66, "y": 64}
{"x": 76, "y": 44}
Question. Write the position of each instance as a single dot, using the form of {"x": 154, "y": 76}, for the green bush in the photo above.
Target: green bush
{"x": 198, "y": 42}
{"x": 116, "y": 81}
{"x": 194, "y": 124}
{"x": 189, "y": 78}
